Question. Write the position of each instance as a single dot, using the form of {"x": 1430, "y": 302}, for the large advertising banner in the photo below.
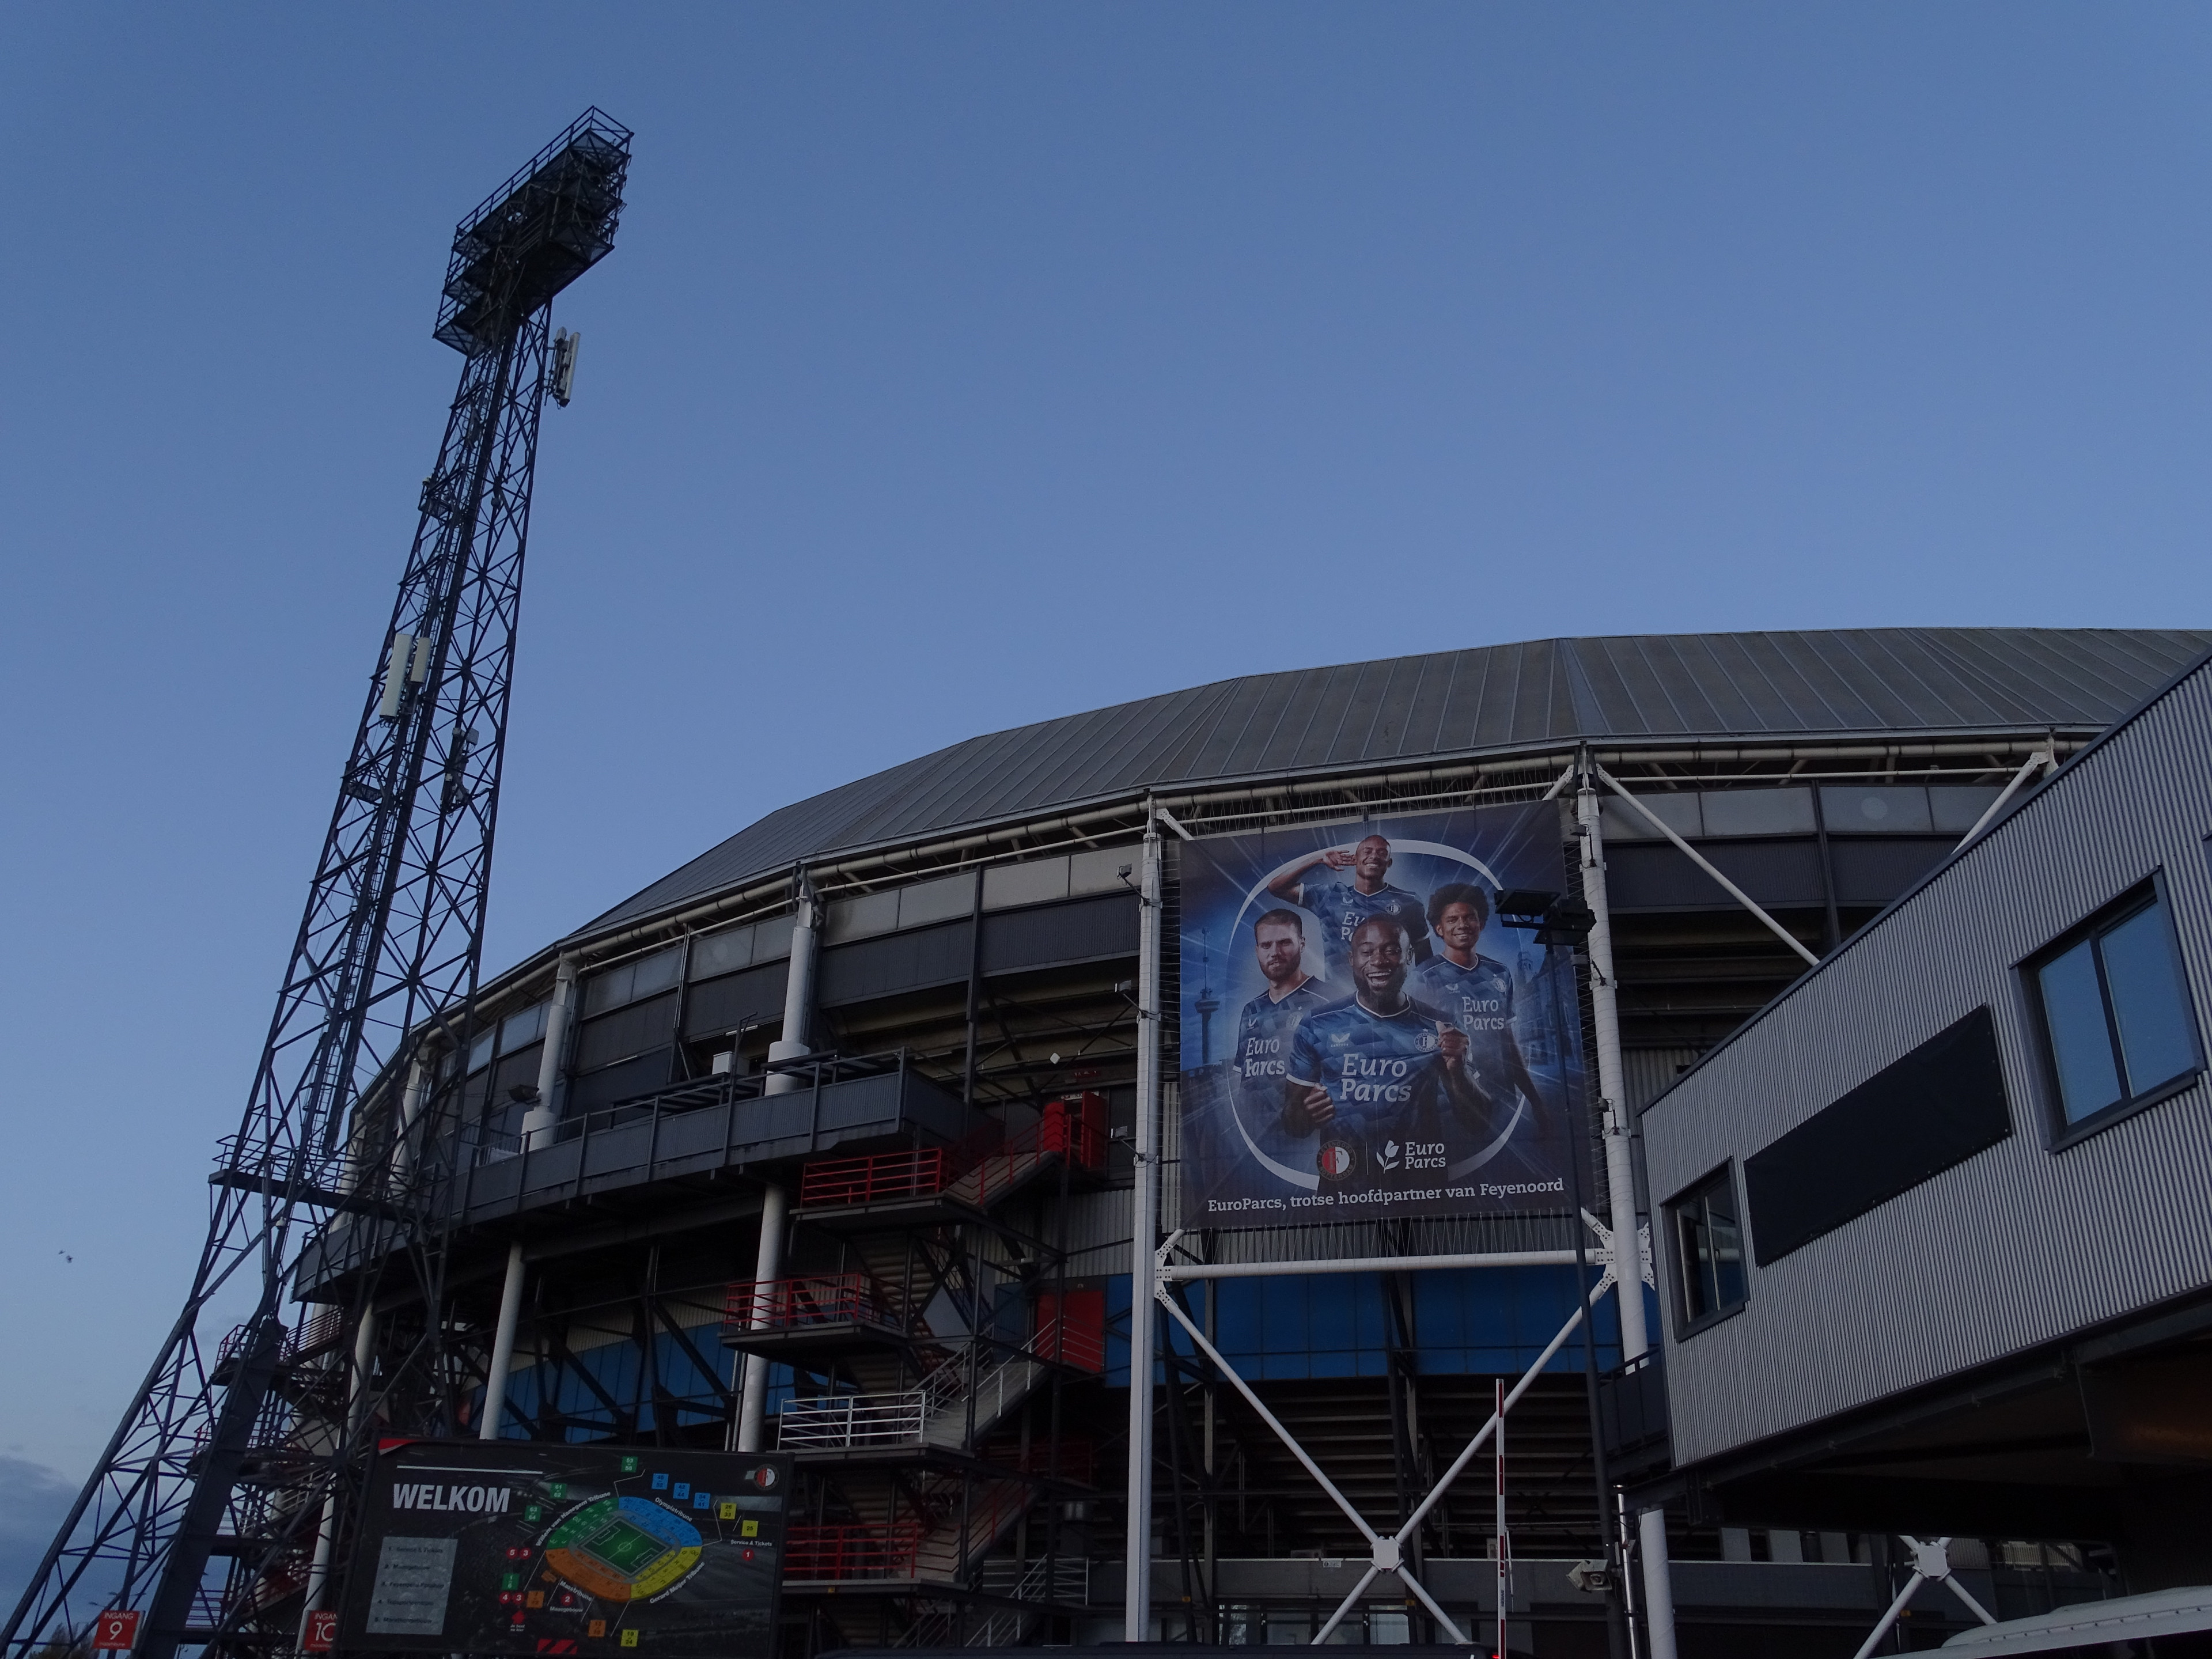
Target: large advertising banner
{"x": 1361, "y": 1037}
{"x": 513, "y": 1546}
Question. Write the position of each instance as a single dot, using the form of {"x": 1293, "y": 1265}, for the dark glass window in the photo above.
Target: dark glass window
{"x": 2116, "y": 1015}
{"x": 1709, "y": 1250}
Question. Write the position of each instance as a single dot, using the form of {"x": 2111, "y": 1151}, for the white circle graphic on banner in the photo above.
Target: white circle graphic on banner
{"x": 1309, "y": 1178}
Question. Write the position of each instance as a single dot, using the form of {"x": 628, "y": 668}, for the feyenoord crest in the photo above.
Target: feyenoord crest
{"x": 1336, "y": 1160}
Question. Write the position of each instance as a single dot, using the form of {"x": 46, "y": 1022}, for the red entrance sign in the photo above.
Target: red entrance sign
{"x": 116, "y": 1631}
{"x": 322, "y": 1634}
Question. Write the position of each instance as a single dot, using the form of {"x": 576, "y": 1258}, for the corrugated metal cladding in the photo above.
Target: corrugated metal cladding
{"x": 1646, "y": 1073}
{"x": 1690, "y": 687}
{"x": 2017, "y": 1245}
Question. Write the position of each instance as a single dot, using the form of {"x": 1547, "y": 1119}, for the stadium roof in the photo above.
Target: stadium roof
{"x": 1877, "y": 683}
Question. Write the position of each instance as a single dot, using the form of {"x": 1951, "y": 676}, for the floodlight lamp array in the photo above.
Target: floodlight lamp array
{"x": 545, "y": 227}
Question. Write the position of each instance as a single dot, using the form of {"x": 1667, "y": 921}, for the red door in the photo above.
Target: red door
{"x": 1078, "y": 1337}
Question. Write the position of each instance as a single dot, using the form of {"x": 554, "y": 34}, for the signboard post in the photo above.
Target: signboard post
{"x": 509, "y": 1547}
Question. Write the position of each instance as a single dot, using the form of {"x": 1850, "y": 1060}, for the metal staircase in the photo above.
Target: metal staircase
{"x": 922, "y": 1450}
{"x": 936, "y": 1412}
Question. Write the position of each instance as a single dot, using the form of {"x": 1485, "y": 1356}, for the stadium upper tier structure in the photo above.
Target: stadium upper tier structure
{"x": 896, "y": 1026}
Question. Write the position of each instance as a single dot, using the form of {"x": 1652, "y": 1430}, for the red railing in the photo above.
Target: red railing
{"x": 871, "y": 1180}
{"x": 1075, "y": 1130}
{"x": 883, "y": 1550}
{"x": 814, "y": 1299}
{"x": 1078, "y": 1457}
{"x": 1071, "y": 1342}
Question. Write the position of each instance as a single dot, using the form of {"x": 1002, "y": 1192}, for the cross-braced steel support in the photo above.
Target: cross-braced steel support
{"x": 1932, "y": 1564}
{"x": 1388, "y": 1552}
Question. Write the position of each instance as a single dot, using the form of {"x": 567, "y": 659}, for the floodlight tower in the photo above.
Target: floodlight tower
{"x": 231, "y": 1450}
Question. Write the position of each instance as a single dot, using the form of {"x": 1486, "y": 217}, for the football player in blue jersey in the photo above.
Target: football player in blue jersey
{"x": 1265, "y": 1028}
{"x": 1474, "y": 992}
{"x": 1377, "y": 1074}
{"x": 1341, "y": 906}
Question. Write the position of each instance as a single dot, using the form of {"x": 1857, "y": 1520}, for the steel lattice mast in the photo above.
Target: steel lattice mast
{"x": 338, "y": 1148}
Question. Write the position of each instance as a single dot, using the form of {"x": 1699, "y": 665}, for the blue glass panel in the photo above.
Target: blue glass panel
{"x": 2081, "y": 1043}
{"x": 1236, "y": 1316}
{"x": 2149, "y": 1004}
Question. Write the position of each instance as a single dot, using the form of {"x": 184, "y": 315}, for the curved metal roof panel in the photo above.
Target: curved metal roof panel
{"x": 1641, "y": 687}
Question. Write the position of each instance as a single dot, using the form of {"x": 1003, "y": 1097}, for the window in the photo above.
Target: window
{"x": 2118, "y": 1030}
{"x": 632, "y": 981}
{"x": 1709, "y": 1251}
{"x": 519, "y": 1031}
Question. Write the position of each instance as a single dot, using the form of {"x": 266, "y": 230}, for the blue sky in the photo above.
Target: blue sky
{"x": 960, "y": 366}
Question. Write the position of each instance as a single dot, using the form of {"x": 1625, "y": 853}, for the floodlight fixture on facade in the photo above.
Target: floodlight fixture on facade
{"x": 1554, "y": 920}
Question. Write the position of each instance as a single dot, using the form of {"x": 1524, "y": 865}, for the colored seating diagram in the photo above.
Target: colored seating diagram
{"x": 522, "y": 1549}
{"x": 622, "y": 1549}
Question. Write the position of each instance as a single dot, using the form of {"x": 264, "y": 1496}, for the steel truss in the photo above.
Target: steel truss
{"x": 244, "y": 1450}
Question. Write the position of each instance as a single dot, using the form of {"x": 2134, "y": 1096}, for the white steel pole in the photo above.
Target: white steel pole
{"x": 776, "y": 1202}
{"x": 1505, "y": 1551}
{"x": 1144, "y": 1231}
{"x": 502, "y": 1346}
{"x": 1620, "y": 1185}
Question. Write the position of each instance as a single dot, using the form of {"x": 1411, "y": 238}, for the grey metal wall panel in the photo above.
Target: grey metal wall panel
{"x": 1873, "y": 872}
{"x": 723, "y": 951}
{"x": 631, "y": 1031}
{"x": 861, "y": 918}
{"x": 1081, "y": 930}
{"x": 1646, "y": 1073}
{"x": 899, "y": 962}
{"x": 1655, "y": 876}
{"x": 735, "y": 999}
{"x": 638, "y": 1075}
{"x": 937, "y": 901}
{"x": 1874, "y": 682}
{"x": 1759, "y": 813}
{"x": 1033, "y": 881}
{"x": 2019, "y": 1245}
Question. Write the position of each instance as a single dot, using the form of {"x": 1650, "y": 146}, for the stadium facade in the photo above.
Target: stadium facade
{"x": 853, "y": 1094}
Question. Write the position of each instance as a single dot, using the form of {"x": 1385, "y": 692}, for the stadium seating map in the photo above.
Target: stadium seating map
{"x": 513, "y": 1546}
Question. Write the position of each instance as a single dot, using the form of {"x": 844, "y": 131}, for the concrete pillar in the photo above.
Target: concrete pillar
{"x": 502, "y": 1346}
{"x": 798, "y": 991}
{"x": 537, "y": 1122}
{"x": 767, "y": 1264}
{"x": 776, "y": 1202}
